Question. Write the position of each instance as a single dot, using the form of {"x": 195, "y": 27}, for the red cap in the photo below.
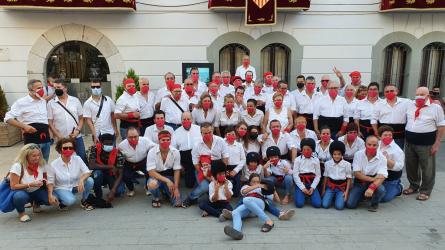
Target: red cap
{"x": 160, "y": 136}
{"x": 268, "y": 74}
{"x": 205, "y": 159}
{"x": 355, "y": 74}
{"x": 236, "y": 78}
{"x": 128, "y": 80}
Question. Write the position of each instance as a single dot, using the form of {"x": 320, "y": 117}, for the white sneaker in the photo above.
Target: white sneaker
{"x": 130, "y": 194}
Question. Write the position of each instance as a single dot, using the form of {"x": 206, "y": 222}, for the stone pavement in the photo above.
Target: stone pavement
{"x": 132, "y": 224}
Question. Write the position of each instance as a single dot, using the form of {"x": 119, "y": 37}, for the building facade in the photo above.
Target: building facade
{"x": 404, "y": 48}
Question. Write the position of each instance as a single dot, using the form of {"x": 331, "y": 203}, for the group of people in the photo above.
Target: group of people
{"x": 334, "y": 145}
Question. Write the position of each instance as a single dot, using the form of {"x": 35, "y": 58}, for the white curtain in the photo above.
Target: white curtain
{"x": 432, "y": 65}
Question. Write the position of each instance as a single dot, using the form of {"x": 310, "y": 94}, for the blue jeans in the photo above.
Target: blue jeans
{"x": 21, "y": 197}
{"x": 102, "y": 178}
{"x": 67, "y": 197}
{"x": 214, "y": 208}
{"x": 199, "y": 190}
{"x": 357, "y": 194}
{"x": 251, "y": 205}
{"x": 300, "y": 197}
{"x": 45, "y": 148}
{"x": 336, "y": 195}
{"x": 286, "y": 183}
{"x": 80, "y": 149}
{"x": 162, "y": 187}
{"x": 123, "y": 132}
{"x": 393, "y": 189}
{"x": 269, "y": 207}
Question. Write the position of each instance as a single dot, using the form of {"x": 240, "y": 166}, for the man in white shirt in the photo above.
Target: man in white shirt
{"x": 65, "y": 117}
{"x": 370, "y": 171}
{"x": 135, "y": 149}
{"x": 30, "y": 114}
{"x": 102, "y": 122}
{"x": 49, "y": 89}
{"x": 128, "y": 108}
{"x": 307, "y": 100}
{"x": 226, "y": 87}
{"x": 301, "y": 81}
{"x": 268, "y": 87}
{"x": 241, "y": 70}
{"x": 423, "y": 133}
{"x": 152, "y": 132}
{"x": 147, "y": 100}
{"x": 200, "y": 87}
{"x": 190, "y": 94}
{"x": 323, "y": 89}
{"x": 173, "y": 106}
{"x": 288, "y": 98}
{"x": 164, "y": 169}
{"x": 277, "y": 138}
{"x": 169, "y": 78}
{"x": 184, "y": 139}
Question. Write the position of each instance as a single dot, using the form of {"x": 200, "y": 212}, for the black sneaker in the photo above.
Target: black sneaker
{"x": 62, "y": 207}
{"x": 373, "y": 208}
{"x": 233, "y": 233}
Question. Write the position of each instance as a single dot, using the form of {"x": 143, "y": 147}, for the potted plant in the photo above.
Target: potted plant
{"x": 9, "y": 135}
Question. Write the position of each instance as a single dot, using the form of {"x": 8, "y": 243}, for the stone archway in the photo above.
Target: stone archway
{"x": 47, "y": 42}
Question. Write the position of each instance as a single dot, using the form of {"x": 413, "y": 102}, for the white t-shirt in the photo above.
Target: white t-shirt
{"x": 221, "y": 192}
{"x": 27, "y": 178}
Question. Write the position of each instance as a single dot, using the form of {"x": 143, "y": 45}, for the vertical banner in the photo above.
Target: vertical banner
{"x": 261, "y": 12}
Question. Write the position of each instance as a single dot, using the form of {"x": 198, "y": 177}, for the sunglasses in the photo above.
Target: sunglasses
{"x": 324, "y": 80}
{"x": 95, "y": 87}
{"x": 67, "y": 148}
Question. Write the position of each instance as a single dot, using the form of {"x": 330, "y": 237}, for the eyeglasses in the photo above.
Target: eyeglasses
{"x": 324, "y": 80}
{"x": 390, "y": 91}
{"x": 67, "y": 148}
{"x": 334, "y": 88}
{"x": 95, "y": 87}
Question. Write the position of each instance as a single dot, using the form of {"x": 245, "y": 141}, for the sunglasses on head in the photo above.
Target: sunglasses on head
{"x": 67, "y": 148}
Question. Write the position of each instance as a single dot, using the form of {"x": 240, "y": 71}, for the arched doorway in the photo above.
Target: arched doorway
{"x": 77, "y": 63}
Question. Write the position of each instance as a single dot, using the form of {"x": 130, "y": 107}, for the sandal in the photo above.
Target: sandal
{"x": 204, "y": 214}
{"x": 410, "y": 191}
{"x": 422, "y": 197}
{"x": 156, "y": 203}
{"x": 266, "y": 228}
{"x": 86, "y": 206}
{"x": 25, "y": 218}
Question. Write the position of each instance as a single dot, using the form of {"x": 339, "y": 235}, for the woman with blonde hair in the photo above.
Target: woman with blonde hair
{"x": 27, "y": 180}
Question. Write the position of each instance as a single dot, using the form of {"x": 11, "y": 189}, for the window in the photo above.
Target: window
{"x": 394, "y": 70}
{"x": 275, "y": 58}
{"x": 231, "y": 56}
{"x": 432, "y": 65}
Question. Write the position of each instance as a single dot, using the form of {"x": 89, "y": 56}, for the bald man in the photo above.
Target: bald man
{"x": 424, "y": 130}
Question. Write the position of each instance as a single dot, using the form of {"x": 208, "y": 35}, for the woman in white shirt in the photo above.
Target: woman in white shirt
{"x": 68, "y": 175}
{"x": 229, "y": 116}
{"x": 250, "y": 141}
{"x": 205, "y": 111}
{"x": 280, "y": 113}
{"x": 351, "y": 101}
{"x": 26, "y": 178}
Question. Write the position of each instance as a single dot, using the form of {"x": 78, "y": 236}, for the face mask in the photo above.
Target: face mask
{"x": 242, "y": 133}
{"x": 217, "y": 80}
{"x": 226, "y": 81}
{"x": 355, "y": 81}
{"x": 253, "y": 136}
{"x": 133, "y": 142}
{"x": 435, "y": 94}
{"x": 229, "y": 106}
{"x": 333, "y": 93}
{"x": 108, "y": 148}
{"x": 420, "y": 101}
{"x": 257, "y": 90}
{"x": 186, "y": 124}
{"x": 310, "y": 87}
{"x": 275, "y": 131}
{"x": 351, "y": 137}
{"x": 251, "y": 110}
{"x": 189, "y": 90}
{"x": 160, "y": 122}
{"x": 275, "y": 161}
{"x": 165, "y": 144}
{"x": 325, "y": 138}
{"x": 96, "y": 91}
{"x": 214, "y": 91}
{"x": 249, "y": 78}
{"x": 387, "y": 140}
{"x": 131, "y": 90}
{"x": 178, "y": 96}
{"x": 67, "y": 153}
{"x": 307, "y": 153}
{"x": 252, "y": 168}
{"x": 275, "y": 85}
{"x": 283, "y": 92}
{"x": 207, "y": 137}
{"x": 361, "y": 97}
{"x": 195, "y": 78}
{"x": 324, "y": 84}
{"x": 268, "y": 81}
{"x": 278, "y": 103}
{"x": 230, "y": 138}
{"x": 221, "y": 178}
{"x": 59, "y": 92}
{"x": 40, "y": 92}
{"x": 301, "y": 127}
{"x": 373, "y": 93}
{"x": 145, "y": 89}
{"x": 237, "y": 84}
{"x": 390, "y": 96}
{"x": 349, "y": 93}
{"x": 300, "y": 85}
{"x": 246, "y": 63}
{"x": 206, "y": 105}
{"x": 371, "y": 151}
{"x": 170, "y": 83}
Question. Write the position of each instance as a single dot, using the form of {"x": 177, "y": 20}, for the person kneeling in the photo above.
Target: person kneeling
{"x": 281, "y": 173}
{"x": 164, "y": 169}
{"x": 220, "y": 192}
{"x": 307, "y": 175}
{"x": 337, "y": 177}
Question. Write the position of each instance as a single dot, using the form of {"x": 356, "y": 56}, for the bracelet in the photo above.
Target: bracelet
{"x": 373, "y": 187}
{"x": 130, "y": 115}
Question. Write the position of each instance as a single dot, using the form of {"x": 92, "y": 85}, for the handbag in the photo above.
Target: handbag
{"x": 7, "y": 194}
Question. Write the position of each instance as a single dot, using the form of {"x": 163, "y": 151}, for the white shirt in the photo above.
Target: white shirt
{"x": 384, "y": 113}
{"x": 28, "y": 110}
{"x": 296, "y": 93}
{"x": 375, "y": 166}
{"x": 184, "y": 140}
{"x": 223, "y": 120}
{"x": 152, "y": 132}
{"x": 241, "y": 72}
{"x": 255, "y": 120}
{"x": 136, "y": 155}
{"x": 247, "y": 172}
{"x": 278, "y": 170}
{"x": 127, "y": 103}
{"x": 252, "y": 146}
{"x": 66, "y": 176}
{"x": 155, "y": 162}
{"x": 365, "y": 109}
{"x": 350, "y": 150}
{"x": 260, "y": 97}
{"x": 217, "y": 151}
{"x": 63, "y": 121}
{"x": 161, "y": 93}
{"x": 103, "y": 124}
{"x": 172, "y": 112}
{"x": 268, "y": 89}
{"x": 218, "y": 101}
{"x": 224, "y": 90}
{"x": 202, "y": 87}
{"x": 297, "y": 139}
{"x": 198, "y": 116}
{"x": 194, "y": 99}
{"x": 288, "y": 102}
{"x": 328, "y": 108}
{"x": 237, "y": 155}
{"x": 306, "y": 104}
{"x": 323, "y": 154}
{"x": 28, "y": 178}
{"x": 338, "y": 171}
{"x": 284, "y": 143}
{"x": 395, "y": 153}
{"x": 221, "y": 192}
{"x": 351, "y": 107}
{"x": 429, "y": 119}
{"x": 303, "y": 165}
{"x": 281, "y": 117}
{"x": 147, "y": 105}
